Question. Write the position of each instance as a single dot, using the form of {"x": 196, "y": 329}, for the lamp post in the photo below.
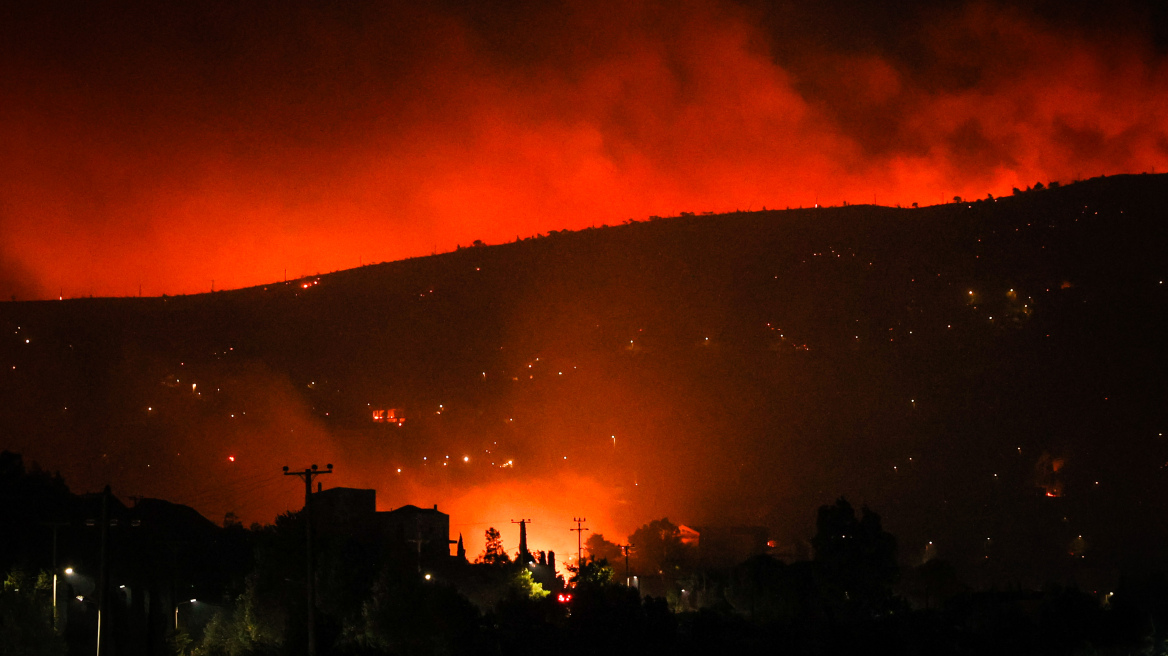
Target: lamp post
{"x": 176, "y": 611}
{"x": 68, "y": 572}
{"x": 55, "y": 526}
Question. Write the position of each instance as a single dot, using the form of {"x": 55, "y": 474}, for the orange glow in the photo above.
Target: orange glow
{"x": 643, "y": 117}
{"x": 549, "y": 502}
{"x": 1047, "y": 477}
{"x": 389, "y": 416}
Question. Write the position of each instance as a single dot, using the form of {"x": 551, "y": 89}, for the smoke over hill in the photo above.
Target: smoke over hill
{"x": 162, "y": 148}
{"x": 987, "y": 368}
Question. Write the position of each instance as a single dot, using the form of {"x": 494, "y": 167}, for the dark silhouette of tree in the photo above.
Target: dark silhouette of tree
{"x": 659, "y": 548}
{"x": 27, "y": 498}
{"x": 408, "y": 615}
{"x": 767, "y": 590}
{"x": 613, "y": 617}
{"x": 26, "y": 615}
{"x": 592, "y": 573}
{"x": 855, "y": 559}
{"x": 601, "y": 549}
{"x": 494, "y": 553}
{"x": 662, "y": 562}
{"x": 928, "y": 585}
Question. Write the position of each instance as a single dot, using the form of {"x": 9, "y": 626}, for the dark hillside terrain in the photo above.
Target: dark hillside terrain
{"x": 991, "y": 369}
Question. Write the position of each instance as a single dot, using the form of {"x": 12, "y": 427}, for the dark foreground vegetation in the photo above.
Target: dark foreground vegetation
{"x": 378, "y": 597}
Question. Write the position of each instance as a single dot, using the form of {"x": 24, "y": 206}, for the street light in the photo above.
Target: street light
{"x": 68, "y": 572}
{"x": 176, "y": 611}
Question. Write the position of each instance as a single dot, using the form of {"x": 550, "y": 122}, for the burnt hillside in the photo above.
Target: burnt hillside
{"x": 980, "y": 369}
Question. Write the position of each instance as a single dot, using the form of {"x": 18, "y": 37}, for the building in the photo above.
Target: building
{"x": 353, "y": 511}
{"x": 426, "y": 529}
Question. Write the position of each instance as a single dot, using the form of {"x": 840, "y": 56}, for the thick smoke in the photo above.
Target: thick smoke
{"x": 164, "y": 148}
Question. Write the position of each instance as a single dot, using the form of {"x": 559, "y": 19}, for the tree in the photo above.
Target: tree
{"x": 931, "y": 583}
{"x": 248, "y": 627}
{"x": 601, "y": 549}
{"x": 659, "y": 548}
{"x": 26, "y": 616}
{"x": 855, "y": 559}
{"x": 494, "y": 553}
{"x": 768, "y": 590}
{"x": 592, "y": 573}
{"x": 611, "y": 615}
{"x": 524, "y": 586}
{"x": 409, "y": 615}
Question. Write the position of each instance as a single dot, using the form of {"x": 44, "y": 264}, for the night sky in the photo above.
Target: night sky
{"x": 157, "y": 147}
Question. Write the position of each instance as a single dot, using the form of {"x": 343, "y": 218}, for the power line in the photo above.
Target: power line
{"x": 579, "y": 541}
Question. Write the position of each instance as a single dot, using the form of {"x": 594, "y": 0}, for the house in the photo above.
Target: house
{"x": 353, "y": 511}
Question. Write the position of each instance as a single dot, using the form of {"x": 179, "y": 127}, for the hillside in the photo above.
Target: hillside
{"x": 990, "y": 369}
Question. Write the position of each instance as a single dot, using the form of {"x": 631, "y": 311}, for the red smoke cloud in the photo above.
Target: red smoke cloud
{"x": 168, "y": 150}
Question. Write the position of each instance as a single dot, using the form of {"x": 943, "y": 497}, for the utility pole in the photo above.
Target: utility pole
{"x": 579, "y": 541}
{"x": 524, "y": 554}
{"x": 103, "y": 566}
{"x": 310, "y": 582}
{"x": 626, "y": 548}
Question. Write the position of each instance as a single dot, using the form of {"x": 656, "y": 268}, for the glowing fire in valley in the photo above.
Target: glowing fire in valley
{"x": 550, "y": 504}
